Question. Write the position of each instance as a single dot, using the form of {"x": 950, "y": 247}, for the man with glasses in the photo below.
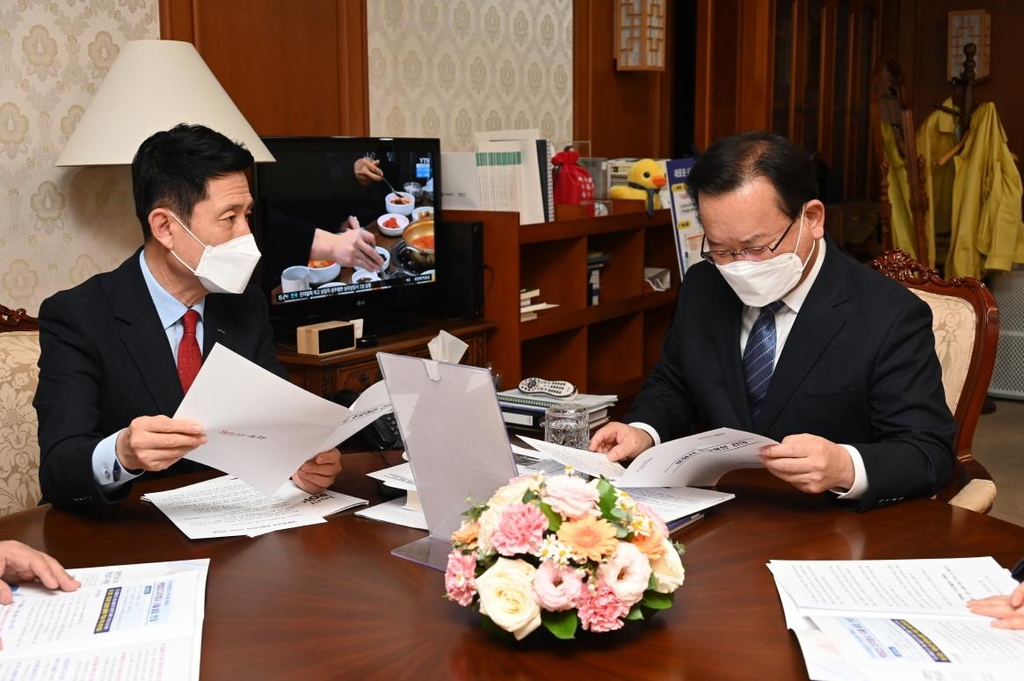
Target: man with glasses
{"x": 782, "y": 334}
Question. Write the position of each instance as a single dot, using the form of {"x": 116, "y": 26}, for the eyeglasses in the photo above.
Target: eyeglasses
{"x": 726, "y": 256}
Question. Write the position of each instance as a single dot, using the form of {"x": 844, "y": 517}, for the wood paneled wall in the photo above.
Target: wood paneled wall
{"x": 927, "y": 71}
{"x": 293, "y": 68}
{"x": 622, "y": 113}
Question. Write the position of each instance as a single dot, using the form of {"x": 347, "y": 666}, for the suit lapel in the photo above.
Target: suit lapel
{"x": 724, "y": 330}
{"x": 216, "y": 328}
{"x": 144, "y": 338}
{"x": 815, "y": 327}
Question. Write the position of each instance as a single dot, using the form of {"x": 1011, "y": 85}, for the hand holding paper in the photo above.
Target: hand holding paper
{"x": 261, "y": 428}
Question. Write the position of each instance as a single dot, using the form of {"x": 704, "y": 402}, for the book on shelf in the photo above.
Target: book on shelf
{"x": 536, "y": 307}
{"x": 597, "y": 258}
{"x": 527, "y": 316}
{"x": 534, "y": 418}
{"x": 528, "y": 293}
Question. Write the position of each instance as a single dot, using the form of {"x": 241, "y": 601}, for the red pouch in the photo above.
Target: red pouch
{"x": 573, "y": 184}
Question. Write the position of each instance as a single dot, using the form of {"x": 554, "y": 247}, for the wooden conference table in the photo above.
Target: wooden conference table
{"x": 330, "y": 602}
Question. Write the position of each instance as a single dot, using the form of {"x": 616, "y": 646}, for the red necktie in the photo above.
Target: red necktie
{"x": 190, "y": 358}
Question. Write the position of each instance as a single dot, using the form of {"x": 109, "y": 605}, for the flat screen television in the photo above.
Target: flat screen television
{"x": 312, "y": 185}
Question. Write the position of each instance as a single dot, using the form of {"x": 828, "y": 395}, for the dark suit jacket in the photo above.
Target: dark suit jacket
{"x": 105, "y": 360}
{"x": 858, "y": 368}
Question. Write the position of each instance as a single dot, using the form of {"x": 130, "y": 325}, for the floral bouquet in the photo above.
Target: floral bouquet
{"x": 564, "y": 553}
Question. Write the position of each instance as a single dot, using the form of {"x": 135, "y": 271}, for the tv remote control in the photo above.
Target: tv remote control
{"x": 553, "y": 388}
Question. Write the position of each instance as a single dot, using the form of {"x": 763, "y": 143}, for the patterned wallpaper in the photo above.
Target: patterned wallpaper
{"x": 59, "y": 226}
{"x": 447, "y": 68}
{"x": 438, "y": 68}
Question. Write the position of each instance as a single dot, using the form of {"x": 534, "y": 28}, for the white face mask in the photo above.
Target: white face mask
{"x": 225, "y": 268}
{"x": 759, "y": 282}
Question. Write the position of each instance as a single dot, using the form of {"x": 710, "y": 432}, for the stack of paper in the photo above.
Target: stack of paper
{"x": 527, "y": 409}
{"x": 229, "y": 507}
{"x": 898, "y": 619}
{"x": 124, "y": 622}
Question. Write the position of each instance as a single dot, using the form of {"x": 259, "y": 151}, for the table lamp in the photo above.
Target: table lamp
{"x": 154, "y": 85}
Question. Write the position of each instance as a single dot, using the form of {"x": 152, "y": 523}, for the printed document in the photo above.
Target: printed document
{"x": 695, "y": 461}
{"x": 898, "y": 619}
{"x": 260, "y": 427}
{"x": 229, "y": 507}
{"x": 140, "y": 621}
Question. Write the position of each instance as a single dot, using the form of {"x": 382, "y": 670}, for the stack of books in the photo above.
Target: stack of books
{"x": 529, "y": 306}
{"x": 526, "y": 411}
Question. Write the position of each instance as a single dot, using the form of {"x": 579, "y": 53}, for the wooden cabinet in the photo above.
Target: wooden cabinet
{"x": 801, "y": 68}
{"x": 607, "y": 348}
{"x": 357, "y": 370}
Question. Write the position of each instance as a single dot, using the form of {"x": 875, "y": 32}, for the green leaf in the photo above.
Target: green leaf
{"x": 554, "y": 519}
{"x": 562, "y": 624}
{"x": 606, "y": 498}
{"x": 635, "y": 613}
{"x": 656, "y": 600}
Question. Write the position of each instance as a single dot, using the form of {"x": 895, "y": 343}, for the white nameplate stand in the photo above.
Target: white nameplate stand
{"x": 455, "y": 438}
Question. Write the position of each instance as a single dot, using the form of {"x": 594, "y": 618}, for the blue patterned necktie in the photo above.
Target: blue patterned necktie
{"x": 759, "y": 356}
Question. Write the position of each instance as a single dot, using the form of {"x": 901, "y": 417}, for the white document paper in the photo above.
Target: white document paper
{"x": 893, "y": 619}
{"x": 396, "y": 512}
{"x": 125, "y": 621}
{"x": 229, "y": 507}
{"x": 399, "y": 476}
{"x": 461, "y": 184}
{"x": 260, "y": 427}
{"x": 695, "y": 461}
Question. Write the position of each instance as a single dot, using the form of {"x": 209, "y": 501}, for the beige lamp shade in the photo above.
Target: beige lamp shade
{"x": 154, "y": 85}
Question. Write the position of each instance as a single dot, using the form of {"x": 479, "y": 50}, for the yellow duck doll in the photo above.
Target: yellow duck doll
{"x": 644, "y": 180}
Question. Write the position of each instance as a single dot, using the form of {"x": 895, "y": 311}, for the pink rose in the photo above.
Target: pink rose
{"x": 520, "y": 530}
{"x": 571, "y": 496}
{"x": 458, "y": 578}
{"x": 627, "y": 573}
{"x": 557, "y": 587}
{"x": 600, "y": 609}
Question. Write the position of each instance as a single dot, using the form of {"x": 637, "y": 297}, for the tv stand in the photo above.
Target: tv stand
{"x": 357, "y": 369}
{"x": 381, "y": 329}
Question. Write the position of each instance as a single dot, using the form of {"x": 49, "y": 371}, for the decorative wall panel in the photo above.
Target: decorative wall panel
{"x": 59, "y": 226}
{"x": 446, "y": 68}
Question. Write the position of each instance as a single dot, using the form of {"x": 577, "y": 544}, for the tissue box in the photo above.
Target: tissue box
{"x": 325, "y": 338}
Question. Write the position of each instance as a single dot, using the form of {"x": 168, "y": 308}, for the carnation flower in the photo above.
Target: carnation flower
{"x": 507, "y": 597}
{"x": 600, "y": 609}
{"x": 588, "y": 538}
{"x": 520, "y": 530}
{"x": 557, "y": 587}
{"x": 668, "y": 569}
{"x": 458, "y": 578}
{"x": 627, "y": 573}
{"x": 571, "y": 497}
{"x": 508, "y": 494}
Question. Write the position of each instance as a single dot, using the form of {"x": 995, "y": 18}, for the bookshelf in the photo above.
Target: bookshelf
{"x": 605, "y": 348}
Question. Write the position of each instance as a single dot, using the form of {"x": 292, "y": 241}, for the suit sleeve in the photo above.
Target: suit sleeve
{"x": 68, "y": 403}
{"x": 912, "y": 452}
{"x": 664, "y": 402}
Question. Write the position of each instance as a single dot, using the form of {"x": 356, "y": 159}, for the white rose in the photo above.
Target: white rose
{"x": 668, "y": 570}
{"x": 506, "y": 596}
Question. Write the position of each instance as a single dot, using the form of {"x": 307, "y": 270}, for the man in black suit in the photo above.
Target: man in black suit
{"x": 844, "y": 372}
{"x": 109, "y": 370}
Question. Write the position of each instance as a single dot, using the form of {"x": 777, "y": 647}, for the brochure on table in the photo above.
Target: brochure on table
{"x": 124, "y": 622}
{"x": 898, "y": 619}
{"x": 229, "y": 507}
{"x": 695, "y": 461}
